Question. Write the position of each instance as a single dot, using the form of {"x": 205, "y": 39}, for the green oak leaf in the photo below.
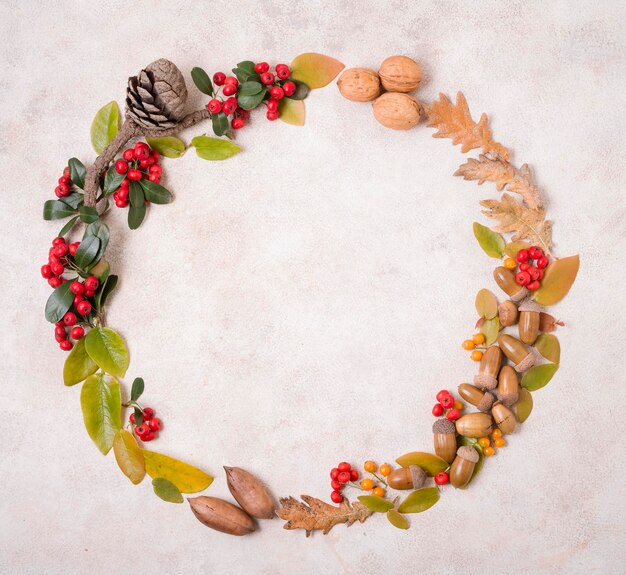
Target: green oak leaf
{"x": 101, "y": 403}
{"x": 78, "y": 365}
{"x": 108, "y": 349}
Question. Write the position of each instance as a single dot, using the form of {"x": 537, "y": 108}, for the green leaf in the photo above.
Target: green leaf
{"x": 251, "y": 101}
{"x": 112, "y": 181}
{"x": 138, "y": 416}
{"x": 514, "y": 247}
{"x": 59, "y": 301}
{"x": 250, "y": 89}
{"x": 129, "y": 456}
{"x": 486, "y": 304}
{"x": 420, "y": 500}
{"x": 77, "y": 172}
{"x": 524, "y": 405}
{"x": 220, "y": 124}
{"x": 549, "y": 347}
{"x": 214, "y": 148}
{"x": 101, "y": 231}
{"x": 302, "y": 91}
{"x": 68, "y": 227}
{"x": 168, "y": 146}
{"x": 558, "y": 279}
{"x": 74, "y": 200}
{"x": 376, "y": 503}
{"x": 155, "y": 193}
{"x": 56, "y": 210}
{"x": 203, "y": 83}
{"x": 105, "y": 291}
{"x": 101, "y": 270}
{"x": 481, "y": 457}
{"x": 491, "y": 242}
{"x": 101, "y": 403}
{"x": 245, "y": 74}
{"x": 88, "y": 214}
{"x": 397, "y": 519}
{"x": 136, "y": 216}
{"x": 108, "y": 349}
{"x": 430, "y": 463}
{"x": 187, "y": 478}
{"x": 137, "y": 389}
{"x": 291, "y": 111}
{"x": 137, "y": 197}
{"x": 104, "y": 127}
{"x": 78, "y": 365}
{"x": 539, "y": 376}
{"x": 490, "y": 329}
{"x": 315, "y": 70}
{"x": 87, "y": 252}
{"x": 166, "y": 490}
{"x": 247, "y": 65}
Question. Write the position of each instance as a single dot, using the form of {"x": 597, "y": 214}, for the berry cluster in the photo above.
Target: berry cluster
{"x": 340, "y": 476}
{"x": 486, "y": 443}
{"x": 148, "y": 428}
{"x": 64, "y": 188}
{"x": 478, "y": 339}
{"x": 529, "y": 275}
{"x": 140, "y": 162}
{"x": 446, "y": 403}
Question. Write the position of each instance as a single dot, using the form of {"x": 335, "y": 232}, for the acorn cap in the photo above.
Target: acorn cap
{"x": 486, "y": 402}
{"x": 485, "y": 381}
{"x": 468, "y": 453}
{"x": 443, "y": 425}
{"x": 519, "y": 295}
{"x": 526, "y": 363}
{"x": 508, "y": 399}
{"x": 530, "y": 305}
{"x": 418, "y": 476}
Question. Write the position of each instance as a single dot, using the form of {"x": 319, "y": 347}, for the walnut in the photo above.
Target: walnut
{"x": 359, "y": 84}
{"x": 397, "y": 111}
{"x": 400, "y": 74}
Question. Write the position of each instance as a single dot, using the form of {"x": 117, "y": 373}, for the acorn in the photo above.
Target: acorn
{"x": 412, "y": 477}
{"x": 506, "y": 281}
{"x": 489, "y": 368}
{"x": 517, "y": 352}
{"x": 359, "y": 84}
{"x": 478, "y": 398}
{"x": 504, "y": 417}
{"x": 445, "y": 439}
{"x": 397, "y": 111}
{"x": 529, "y": 316}
{"x": 507, "y": 313}
{"x": 463, "y": 466}
{"x": 474, "y": 425}
{"x": 400, "y": 74}
{"x": 508, "y": 386}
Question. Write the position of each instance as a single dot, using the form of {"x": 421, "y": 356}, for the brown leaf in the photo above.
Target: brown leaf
{"x": 519, "y": 181}
{"x": 455, "y": 121}
{"x": 524, "y": 223}
{"x": 548, "y": 323}
{"x": 315, "y": 514}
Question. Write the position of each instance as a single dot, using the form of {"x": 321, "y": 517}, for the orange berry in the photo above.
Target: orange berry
{"x": 477, "y": 355}
{"x": 458, "y": 405}
{"x": 489, "y": 451}
{"x": 367, "y": 484}
{"x": 370, "y": 466}
{"x": 510, "y": 264}
{"x": 385, "y": 469}
{"x": 499, "y": 442}
{"x": 378, "y": 491}
{"x": 468, "y": 344}
{"x": 484, "y": 442}
{"x": 496, "y": 433}
{"x": 478, "y": 338}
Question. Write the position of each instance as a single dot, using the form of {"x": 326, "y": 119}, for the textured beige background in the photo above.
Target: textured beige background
{"x": 302, "y": 302}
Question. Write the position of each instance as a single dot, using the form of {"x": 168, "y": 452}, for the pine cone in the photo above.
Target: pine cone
{"x": 156, "y": 97}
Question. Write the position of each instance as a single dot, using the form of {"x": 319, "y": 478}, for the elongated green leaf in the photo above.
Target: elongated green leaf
{"x": 376, "y": 503}
{"x": 214, "y": 148}
{"x": 59, "y": 301}
{"x": 168, "y": 146}
{"x": 78, "y": 365}
{"x": 129, "y": 456}
{"x": 105, "y": 291}
{"x": 419, "y": 500}
{"x": 549, "y": 347}
{"x": 77, "y": 172}
{"x": 136, "y": 216}
{"x": 105, "y": 126}
{"x": 88, "y": 214}
{"x": 112, "y": 181}
{"x": 524, "y": 406}
{"x": 56, "y": 210}
{"x": 220, "y": 124}
{"x": 539, "y": 376}
{"x": 74, "y": 200}
{"x": 560, "y": 276}
{"x": 202, "y": 81}
{"x": 491, "y": 242}
{"x": 490, "y": 330}
{"x": 137, "y": 198}
{"x": 315, "y": 70}
{"x": 247, "y": 65}
{"x": 291, "y": 111}
{"x": 108, "y": 349}
{"x": 397, "y": 519}
{"x": 67, "y": 227}
{"x": 87, "y": 252}
{"x": 156, "y": 193}
{"x": 101, "y": 403}
{"x": 187, "y": 478}
{"x": 486, "y": 304}
{"x": 101, "y": 231}
{"x": 137, "y": 389}
{"x": 430, "y": 463}
{"x": 250, "y": 89}
{"x": 166, "y": 490}
{"x": 251, "y": 101}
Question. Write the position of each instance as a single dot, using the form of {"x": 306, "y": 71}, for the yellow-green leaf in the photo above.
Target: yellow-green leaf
{"x": 539, "y": 376}
{"x": 101, "y": 403}
{"x": 78, "y": 365}
{"x": 548, "y": 346}
{"x": 375, "y": 503}
{"x": 490, "y": 329}
{"x": 315, "y": 70}
{"x": 214, "y": 148}
{"x": 129, "y": 456}
{"x": 486, "y": 304}
{"x": 168, "y": 146}
{"x": 108, "y": 349}
{"x": 491, "y": 242}
{"x": 397, "y": 519}
{"x": 420, "y": 500}
{"x": 166, "y": 490}
{"x": 430, "y": 463}
{"x": 558, "y": 280}
{"x": 514, "y": 247}
{"x": 292, "y": 111}
{"x": 524, "y": 405}
{"x": 187, "y": 478}
{"x": 105, "y": 126}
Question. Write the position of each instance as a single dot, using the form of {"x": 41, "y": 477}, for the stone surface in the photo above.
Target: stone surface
{"x": 302, "y": 302}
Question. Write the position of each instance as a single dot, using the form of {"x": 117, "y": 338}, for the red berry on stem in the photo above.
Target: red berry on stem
{"x": 289, "y": 88}
{"x": 78, "y": 299}
{"x": 336, "y": 485}
{"x": 522, "y": 256}
{"x": 58, "y": 241}
{"x": 90, "y": 293}
{"x": 267, "y": 78}
{"x": 46, "y": 271}
{"x": 453, "y": 414}
{"x": 229, "y": 89}
{"x": 145, "y": 163}
{"x": 533, "y": 273}
{"x": 134, "y": 174}
{"x": 91, "y": 283}
{"x": 84, "y": 308}
{"x": 447, "y": 401}
{"x": 271, "y": 116}
{"x": 141, "y": 430}
{"x": 77, "y": 288}
{"x": 65, "y": 345}
{"x": 155, "y": 424}
{"x": 542, "y": 262}
{"x": 148, "y": 413}
{"x": 277, "y": 93}
{"x": 57, "y": 268}
{"x": 155, "y": 178}
{"x": 336, "y": 497}
{"x": 354, "y": 475}
{"x": 437, "y": 409}
{"x": 141, "y": 152}
{"x": 334, "y": 473}
{"x": 54, "y": 282}
{"x": 245, "y": 114}
{"x": 231, "y": 80}
{"x": 149, "y": 436}
{"x": 522, "y": 278}
{"x": 282, "y": 71}
{"x": 214, "y": 106}
{"x": 535, "y": 252}
{"x": 59, "y": 330}
{"x": 442, "y": 394}
{"x": 60, "y": 336}
{"x": 533, "y": 285}
{"x": 69, "y": 318}
{"x": 129, "y": 154}
{"x": 73, "y": 248}
{"x": 218, "y": 78}
{"x": 442, "y": 478}
{"x": 540, "y": 274}
{"x": 237, "y": 123}
{"x": 343, "y": 477}
{"x": 524, "y": 267}
{"x": 261, "y": 67}
{"x": 156, "y": 170}
{"x": 77, "y": 332}
{"x": 344, "y": 466}
{"x": 121, "y": 167}
{"x": 272, "y": 105}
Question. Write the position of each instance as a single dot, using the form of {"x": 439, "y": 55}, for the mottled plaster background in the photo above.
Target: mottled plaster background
{"x": 302, "y": 302}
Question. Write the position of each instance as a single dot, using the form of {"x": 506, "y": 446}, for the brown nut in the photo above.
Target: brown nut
{"x": 221, "y": 515}
{"x": 397, "y": 111}
{"x": 517, "y": 352}
{"x": 474, "y": 425}
{"x": 507, "y": 313}
{"x": 489, "y": 368}
{"x": 508, "y": 386}
{"x": 445, "y": 439}
{"x": 480, "y": 399}
{"x": 506, "y": 281}
{"x": 250, "y": 493}
{"x": 400, "y": 74}
{"x": 504, "y": 417}
{"x": 529, "y": 315}
{"x": 412, "y": 477}
{"x": 359, "y": 84}
{"x": 463, "y": 466}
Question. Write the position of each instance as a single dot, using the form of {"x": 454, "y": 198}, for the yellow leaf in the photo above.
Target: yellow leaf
{"x": 187, "y": 478}
{"x": 129, "y": 456}
{"x": 315, "y": 70}
{"x": 291, "y": 111}
{"x": 560, "y": 276}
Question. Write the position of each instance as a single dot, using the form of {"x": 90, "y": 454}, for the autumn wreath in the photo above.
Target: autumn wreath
{"x": 513, "y": 345}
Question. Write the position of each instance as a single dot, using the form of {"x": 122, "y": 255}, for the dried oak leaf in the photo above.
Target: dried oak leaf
{"x": 455, "y": 121}
{"x": 522, "y": 222}
{"x": 315, "y": 514}
{"x": 519, "y": 181}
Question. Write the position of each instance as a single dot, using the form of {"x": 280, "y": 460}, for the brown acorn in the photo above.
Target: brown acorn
{"x": 517, "y": 352}
{"x": 445, "y": 439}
{"x": 463, "y": 466}
{"x": 474, "y": 425}
{"x": 359, "y": 84}
{"x": 412, "y": 477}
{"x": 221, "y": 515}
{"x": 506, "y": 281}
{"x": 478, "y": 398}
{"x": 508, "y": 386}
{"x": 250, "y": 493}
{"x": 400, "y": 74}
{"x": 504, "y": 417}
{"x": 489, "y": 368}
{"x": 529, "y": 315}
{"x": 507, "y": 313}
{"x": 397, "y": 111}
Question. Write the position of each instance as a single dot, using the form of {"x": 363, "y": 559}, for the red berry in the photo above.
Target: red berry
{"x": 57, "y": 268}
{"x": 533, "y": 273}
{"x": 78, "y": 299}
{"x": 354, "y": 475}
{"x": 245, "y": 114}
{"x": 125, "y": 183}
{"x": 91, "y": 283}
{"x": 62, "y": 190}
{"x": 524, "y": 267}
{"x": 141, "y": 152}
{"x": 336, "y": 485}
{"x": 218, "y": 78}
{"x": 336, "y": 497}
{"x": 277, "y": 93}
{"x": 442, "y": 478}
{"x": 122, "y": 194}
{"x": 155, "y": 424}
{"x": 120, "y": 203}
{"x": 58, "y": 241}
{"x": 61, "y": 250}
{"x": 539, "y": 274}
{"x": 343, "y": 477}
{"x": 214, "y": 106}
{"x": 542, "y": 262}
{"x": 267, "y": 78}
{"x": 156, "y": 156}
{"x": 522, "y": 278}
{"x": 69, "y": 318}
{"x": 154, "y": 178}
{"x": 148, "y": 413}
{"x": 73, "y": 248}
{"x": 141, "y": 430}
{"x": 334, "y": 473}
{"x": 230, "y": 106}
{"x": 84, "y": 308}
{"x": 522, "y": 256}
{"x": 64, "y": 180}
{"x": 156, "y": 170}
{"x": 453, "y": 414}
{"x": 90, "y": 293}
{"x": 447, "y": 401}
{"x": 59, "y": 337}
{"x": 146, "y": 162}
{"x": 282, "y": 71}
{"x": 437, "y": 409}
{"x": 55, "y": 282}
{"x": 77, "y": 288}
{"x": 535, "y": 252}
{"x": 132, "y": 418}
{"x": 121, "y": 167}
{"x": 66, "y": 171}
{"x": 46, "y": 271}
{"x": 533, "y": 285}
{"x": 289, "y": 88}
{"x": 271, "y": 116}
{"x": 59, "y": 330}
{"x": 149, "y": 436}
{"x": 129, "y": 154}
{"x": 272, "y": 105}
{"x": 237, "y": 123}
{"x": 442, "y": 394}
{"x": 231, "y": 80}
{"x": 261, "y": 67}
{"x": 65, "y": 345}
{"x": 134, "y": 174}
{"x": 77, "y": 332}
{"x": 229, "y": 89}
{"x": 344, "y": 466}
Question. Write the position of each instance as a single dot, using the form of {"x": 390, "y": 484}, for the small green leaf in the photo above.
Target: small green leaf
{"x": 491, "y": 242}
{"x": 315, "y": 70}
{"x": 87, "y": 252}
{"x": 302, "y": 91}
{"x": 187, "y": 478}
{"x": 166, "y": 490}
{"x": 490, "y": 329}
{"x": 88, "y": 214}
{"x": 108, "y": 349}
{"x": 251, "y": 101}
{"x": 129, "y": 456}
{"x": 202, "y": 81}
{"x": 220, "y": 124}
{"x": 397, "y": 519}
{"x": 548, "y": 346}
{"x": 138, "y": 416}
{"x": 78, "y": 365}
{"x": 77, "y": 172}
{"x": 56, "y": 210}
{"x": 250, "y": 89}
{"x": 68, "y": 227}
{"x": 155, "y": 193}
{"x": 214, "y": 148}
{"x": 60, "y": 300}
{"x": 539, "y": 376}
{"x": 420, "y": 500}
{"x": 168, "y": 146}
{"x": 74, "y": 200}
{"x": 99, "y": 230}
{"x": 486, "y": 304}
{"x": 247, "y": 65}
{"x": 137, "y": 389}
{"x": 558, "y": 279}
{"x": 104, "y": 127}
{"x": 524, "y": 405}
{"x": 105, "y": 291}
{"x": 137, "y": 197}
{"x": 430, "y": 463}
{"x": 291, "y": 111}
{"x": 376, "y": 503}
{"x": 136, "y": 216}
{"x": 112, "y": 181}
{"x": 101, "y": 403}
